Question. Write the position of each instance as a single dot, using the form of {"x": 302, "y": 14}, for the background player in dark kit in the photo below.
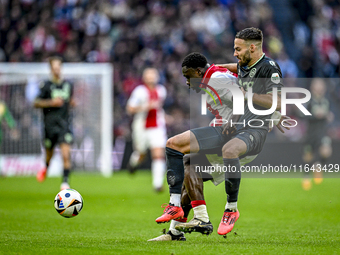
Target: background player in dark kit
{"x": 318, "y": 146}
{"x": 55, "y": 98}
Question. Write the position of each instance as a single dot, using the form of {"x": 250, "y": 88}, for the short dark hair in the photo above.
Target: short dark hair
{"x": 52, "y": 58}
{"x": 194, "y": 60}
{"x": 250, "y": 34}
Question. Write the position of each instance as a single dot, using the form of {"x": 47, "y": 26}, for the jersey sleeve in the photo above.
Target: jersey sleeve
{"x": 222, "y": 84}
{"x": 135, "y": 99}
{"x": 43, "y": 90}
{"x": 272, "y": 78}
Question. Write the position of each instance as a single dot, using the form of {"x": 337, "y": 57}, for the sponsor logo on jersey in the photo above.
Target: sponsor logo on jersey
{"x": 272, "y": 63}
{"x": 275, "y": 78}
{"x": 252, "y": 73}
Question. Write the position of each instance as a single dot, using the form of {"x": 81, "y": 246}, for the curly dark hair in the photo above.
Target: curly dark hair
{"x": 250, "y": 34}
{"x": 194, "y": 60}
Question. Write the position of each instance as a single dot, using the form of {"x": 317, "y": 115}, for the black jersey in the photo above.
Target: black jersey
{"x": 57, "y": 117}
{"x": 263, "y": 76}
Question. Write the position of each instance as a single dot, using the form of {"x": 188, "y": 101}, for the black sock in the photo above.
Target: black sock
{"x": 175, "y": 170}
{"x": 66, "y": 175}
{"x": 47, "y": 164}
{"x": 232, "y": 178}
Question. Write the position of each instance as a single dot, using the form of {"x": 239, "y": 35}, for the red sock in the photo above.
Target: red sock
{"x": 182, "y": 220}
{"x": 197, "y": 203}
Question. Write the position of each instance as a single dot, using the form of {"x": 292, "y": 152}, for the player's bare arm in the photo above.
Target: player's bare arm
{"x": 265, "y": 100}
{"x": 231, "y": 66}
{"x": 47, "y": 103}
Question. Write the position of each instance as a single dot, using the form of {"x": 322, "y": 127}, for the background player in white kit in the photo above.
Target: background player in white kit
{"x": 148, "y": 126}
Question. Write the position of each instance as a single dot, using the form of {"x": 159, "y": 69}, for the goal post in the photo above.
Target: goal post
{"x": 95, "y": 83}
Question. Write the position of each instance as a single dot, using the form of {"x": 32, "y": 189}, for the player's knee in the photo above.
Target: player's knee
{"x": 229, "y": 152}
{"x": 173, "y": 143}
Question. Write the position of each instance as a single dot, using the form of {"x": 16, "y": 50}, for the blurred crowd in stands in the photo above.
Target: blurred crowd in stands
{"x": 302, "y": 35}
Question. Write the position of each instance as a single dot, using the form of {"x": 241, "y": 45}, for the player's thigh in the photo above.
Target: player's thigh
{"x": 209, "y": 139}
{"x": 234, "y": 148}
{"x": 185, "y": 142}
{"x": 139, "y": 140}
{"x": 245, "y": 142}
{"x": 156, "y": 141}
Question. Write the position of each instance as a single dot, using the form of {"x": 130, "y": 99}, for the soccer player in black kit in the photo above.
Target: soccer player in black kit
{"x": 318, "y": 146}
{"x": 262, "y": 74}
{"x": 55, "y": 98}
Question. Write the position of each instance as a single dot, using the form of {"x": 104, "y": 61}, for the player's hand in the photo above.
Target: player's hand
{"x": 280, "y": 126}
{"x": 228, "y": 130}
{"x": 243, "y": 91}
{"x": 56, "y": 102}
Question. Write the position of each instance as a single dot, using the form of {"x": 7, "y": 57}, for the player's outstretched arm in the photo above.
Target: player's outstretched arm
{"x": 265, "y": 100}
{"x": 47, "y": 103}
{"x": 230, "y": 66}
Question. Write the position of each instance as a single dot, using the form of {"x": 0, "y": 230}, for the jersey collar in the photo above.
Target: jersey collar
{"x": 257, "y": 61}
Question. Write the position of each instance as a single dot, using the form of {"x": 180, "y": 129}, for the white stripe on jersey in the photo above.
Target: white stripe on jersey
{"x": 219, "y": 81}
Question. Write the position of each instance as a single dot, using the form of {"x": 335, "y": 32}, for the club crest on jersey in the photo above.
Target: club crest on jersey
{"x": 275, "y": 78}
{"x": 252, "y": 73}
{"x": 272, "y": 63}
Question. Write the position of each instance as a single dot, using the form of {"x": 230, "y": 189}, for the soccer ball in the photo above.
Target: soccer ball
{"x": 68, "y": 203}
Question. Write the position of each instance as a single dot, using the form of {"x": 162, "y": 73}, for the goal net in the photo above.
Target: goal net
{"x": 21, "y": 125}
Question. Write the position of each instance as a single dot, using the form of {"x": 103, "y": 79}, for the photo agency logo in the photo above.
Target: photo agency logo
{"x": 301, "y": 96}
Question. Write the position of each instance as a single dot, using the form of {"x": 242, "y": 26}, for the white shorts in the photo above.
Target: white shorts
{"x": 149, "y": 138}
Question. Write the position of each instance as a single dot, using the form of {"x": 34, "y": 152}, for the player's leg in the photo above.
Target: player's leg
{"x": 139, "y": 149}
{"x": 193, "y": 182}
{"x": 246, "y": 142}
{"x": 325, "y": 152}
{"x": 308, "y": 158}
{"x": 158, "y": 168}
{"x": 49, "y": 144}
{"x": 231, "y": 152}
{"x": 65, "y": 149}
{"x": 199, "y": 139}
{"x": 157, "y": 141}
{"x": 176, "y": 148}
{"x": 173, "y": 234}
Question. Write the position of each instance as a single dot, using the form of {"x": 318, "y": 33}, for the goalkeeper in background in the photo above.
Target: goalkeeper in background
{"x": 7, "y": 116}
{"x": 55, "y": 98}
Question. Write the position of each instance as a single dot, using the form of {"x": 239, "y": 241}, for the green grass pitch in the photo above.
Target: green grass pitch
{"x": 276, "y": 217}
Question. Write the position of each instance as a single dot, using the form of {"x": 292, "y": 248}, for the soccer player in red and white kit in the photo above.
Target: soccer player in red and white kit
{"x": 148, "y": 127}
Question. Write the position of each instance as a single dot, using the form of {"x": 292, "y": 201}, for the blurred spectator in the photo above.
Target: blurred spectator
{"x": 136, "y": 34}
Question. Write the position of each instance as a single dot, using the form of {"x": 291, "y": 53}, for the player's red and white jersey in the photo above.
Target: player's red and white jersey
{"x": 141, "y": 96}
{"x": 215, "y": 81}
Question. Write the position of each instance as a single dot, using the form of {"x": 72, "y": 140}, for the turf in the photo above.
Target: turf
{"x": 277, "y": 217}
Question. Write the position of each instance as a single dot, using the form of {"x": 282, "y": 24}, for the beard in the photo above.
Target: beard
{"x": 246, "y": 59}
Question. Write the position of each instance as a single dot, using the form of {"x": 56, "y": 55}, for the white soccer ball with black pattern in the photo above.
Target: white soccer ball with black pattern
{"x": 68, "y": 203}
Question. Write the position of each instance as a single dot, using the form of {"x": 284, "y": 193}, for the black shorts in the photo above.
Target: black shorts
{"x": 211, "y": 140}
{"x": 57, "y": 136}
{"x": 313, "y": 144}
